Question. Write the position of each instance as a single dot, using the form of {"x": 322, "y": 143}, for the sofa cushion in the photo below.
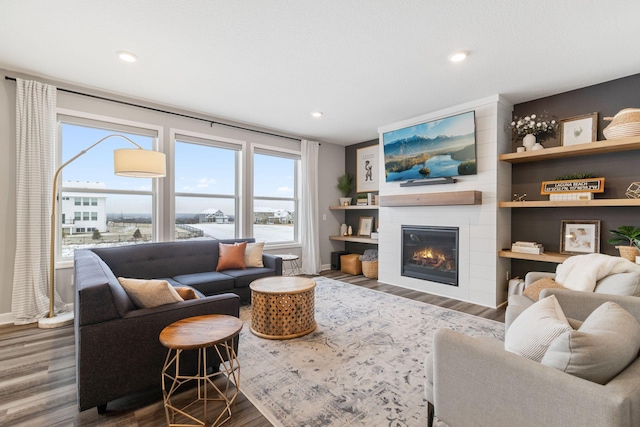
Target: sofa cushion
{"x": 208, "y": 283}
{"x": 149, "y": 293}
{"x": 535, "y": 328}
{"x": 231, "y": 256}
{"x": 253, "y": 255}
{"x": 606, "y": 343}
{"x": 243, "y": 278}
{"x": 619, "y": 284}
{"x": 533, "y": 290}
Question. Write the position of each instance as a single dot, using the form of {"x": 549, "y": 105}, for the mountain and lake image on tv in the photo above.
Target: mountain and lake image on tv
{"x": 439, "y": 148}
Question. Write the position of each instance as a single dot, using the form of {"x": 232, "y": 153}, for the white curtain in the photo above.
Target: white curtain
{"x": 309, "y": 209}
{"x": 35, "y": 166}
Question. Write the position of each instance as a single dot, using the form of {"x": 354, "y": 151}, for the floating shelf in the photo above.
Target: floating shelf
{"x": 596, "y": 147}
{"x": 545, "y": 257}
{"x": 570, "y": 203}
{"x": 355, "y": 239}
{"x": 451, "y": 198}
{"x": 352, "y": 207}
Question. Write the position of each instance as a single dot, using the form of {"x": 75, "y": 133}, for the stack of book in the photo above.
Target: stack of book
{"x": 527, "y": 248}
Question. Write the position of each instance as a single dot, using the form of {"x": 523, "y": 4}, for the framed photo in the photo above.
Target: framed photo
{"x": 580, "y": 237}
{"x": 367, "y": 169}
{"x": 578, "y": 129}
{"x": 365, "y": 226}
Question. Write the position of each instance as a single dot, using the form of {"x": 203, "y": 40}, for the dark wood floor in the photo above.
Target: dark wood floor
{"x": 37, "y": 374}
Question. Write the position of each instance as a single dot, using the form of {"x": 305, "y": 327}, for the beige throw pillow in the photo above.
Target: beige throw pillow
{"x": 606, "y": 343}
{"x": 149, "y": 293}
{"x": 533, "y": 290}
{"x": 535, "y": 329}
{"x": 253, "y": 255}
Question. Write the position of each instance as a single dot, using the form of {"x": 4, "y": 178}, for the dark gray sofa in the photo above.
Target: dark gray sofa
{"x": 118, "y": 352}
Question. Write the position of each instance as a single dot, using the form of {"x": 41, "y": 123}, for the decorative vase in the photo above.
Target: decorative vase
{"x": 343, "y": 230}
{"x": 345, "y": 201}
{"x": 529, "y": 141}
{"x": 350, "y": 231}
{"x": 537, "y": 146}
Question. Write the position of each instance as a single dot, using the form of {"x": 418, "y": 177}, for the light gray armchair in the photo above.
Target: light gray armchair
{"x": 475, "y": 382}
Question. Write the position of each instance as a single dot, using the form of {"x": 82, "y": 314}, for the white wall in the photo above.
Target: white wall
{"x": 331, "y": 161}
{"x": 483, "y": 229}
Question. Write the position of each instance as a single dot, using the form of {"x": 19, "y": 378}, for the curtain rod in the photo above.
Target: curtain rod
{"x": 211, "y": 122}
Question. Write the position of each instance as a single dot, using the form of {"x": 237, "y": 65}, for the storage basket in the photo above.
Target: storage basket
{"x": 626, "y": 252}
{"x": 625, "y": 124}
{"x": 370, "y": 269}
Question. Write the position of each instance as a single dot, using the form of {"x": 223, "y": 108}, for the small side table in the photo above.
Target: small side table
{"x": 294, "y": 264}
{"x": 199, "y": 333}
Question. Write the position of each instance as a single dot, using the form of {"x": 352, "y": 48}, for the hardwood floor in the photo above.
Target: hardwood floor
{"x": 37, "y": 374}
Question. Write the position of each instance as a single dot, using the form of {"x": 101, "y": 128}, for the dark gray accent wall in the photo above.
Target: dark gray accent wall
{"x": 619, "y": 169}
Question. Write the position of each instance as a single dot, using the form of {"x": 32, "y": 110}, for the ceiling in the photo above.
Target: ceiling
{"x": 363, "y": 63}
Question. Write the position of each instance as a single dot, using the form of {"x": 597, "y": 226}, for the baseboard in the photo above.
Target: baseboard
{"x": 6, "y": 318}
{"x": 325, "y": 267}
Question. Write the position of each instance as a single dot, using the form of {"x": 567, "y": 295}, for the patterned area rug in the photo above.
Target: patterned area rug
{"x": 362, "y": 366}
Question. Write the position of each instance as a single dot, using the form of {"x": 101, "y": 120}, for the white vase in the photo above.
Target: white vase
{"x": 537, "y": 146}
{"x": 343, "y": 230}
{"x": 350, "y": 231}
{"x": 345, "y": 201}
{"x": 529, "y": 141}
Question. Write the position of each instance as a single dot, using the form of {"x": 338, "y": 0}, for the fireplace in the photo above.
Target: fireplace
{"x": 430, "y": 253}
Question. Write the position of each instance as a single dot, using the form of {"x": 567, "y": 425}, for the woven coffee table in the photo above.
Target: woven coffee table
{"x": 282, "y": 307}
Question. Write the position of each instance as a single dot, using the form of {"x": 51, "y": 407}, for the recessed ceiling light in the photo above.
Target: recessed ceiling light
{"x": 127, "y": 56}
{"x": 458, "y": 56}
{"x": 317, "y": 114}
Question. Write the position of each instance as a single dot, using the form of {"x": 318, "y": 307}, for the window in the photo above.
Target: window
{"x": 206, "y": 194}
{"x": 121, "y": 204}
{"x": 275, "y": 196}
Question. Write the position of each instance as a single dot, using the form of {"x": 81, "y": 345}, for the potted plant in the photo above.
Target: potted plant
{"x": 345, "y": 184}
{"x": 626, "y": 234}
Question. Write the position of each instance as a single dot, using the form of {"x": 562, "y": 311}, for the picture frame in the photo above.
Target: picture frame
{"x": 578, "y": 129}
{"x": 367, "y": 169}
{"x": 579, "y": 237}
{"x": 365, "y": 226}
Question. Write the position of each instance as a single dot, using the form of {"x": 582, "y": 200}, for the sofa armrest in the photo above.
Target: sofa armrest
{"x": 532, "y": 276}
{"x": 579, "y": 305}
{"x": 273, "y": 262}
{"x": 479, "y": 384}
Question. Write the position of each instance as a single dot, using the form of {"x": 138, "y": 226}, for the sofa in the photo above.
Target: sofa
{"x": 476, "y": 382}
{"x": 118, "y": 351}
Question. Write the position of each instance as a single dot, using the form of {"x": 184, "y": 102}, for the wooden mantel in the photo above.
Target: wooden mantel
{"x": 434, "y": 199}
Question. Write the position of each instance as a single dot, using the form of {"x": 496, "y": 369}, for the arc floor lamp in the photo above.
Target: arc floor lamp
{"x": 130, "y": 162}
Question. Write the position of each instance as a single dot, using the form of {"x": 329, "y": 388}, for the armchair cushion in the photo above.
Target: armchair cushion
{"x": 533, "y": 291}
{"x": 620, "y": 284}
{"x": 532, "y": 332}
{"x": 606, "y": 343}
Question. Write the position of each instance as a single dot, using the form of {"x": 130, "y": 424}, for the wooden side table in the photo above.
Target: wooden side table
{"x": 282, "y": 307}
{"x": 199, "y": 333}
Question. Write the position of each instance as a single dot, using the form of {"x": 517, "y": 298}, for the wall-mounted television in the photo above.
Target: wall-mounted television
{"x": 441, "y": 148}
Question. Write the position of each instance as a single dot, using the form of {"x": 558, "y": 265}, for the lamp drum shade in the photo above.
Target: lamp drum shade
{"x": 139, "y": 163}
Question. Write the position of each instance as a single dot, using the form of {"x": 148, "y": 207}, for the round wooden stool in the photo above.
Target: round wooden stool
{"x": 282, "y": 307}
{"x": 199, "y": 333}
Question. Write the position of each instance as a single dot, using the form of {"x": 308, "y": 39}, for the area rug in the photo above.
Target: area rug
{"x": 362, "y": 366}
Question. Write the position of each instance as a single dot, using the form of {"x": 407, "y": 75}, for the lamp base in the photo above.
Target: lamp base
{"x": 58, "y": 321}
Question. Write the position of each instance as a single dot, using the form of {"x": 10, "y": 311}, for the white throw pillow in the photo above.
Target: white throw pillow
{"x": 253, "y": 255}
{"x": 606, "y": 343}
{"x": 149, "y": 293}
{"x": 535, "y": 328}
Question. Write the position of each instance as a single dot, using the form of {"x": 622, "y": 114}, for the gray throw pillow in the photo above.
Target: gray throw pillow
{"x": 619, "y": 284}
{"x": 606, "y": 343}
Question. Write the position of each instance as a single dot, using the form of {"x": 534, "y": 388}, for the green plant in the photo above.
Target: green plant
{"x": 96, "y": 235}
{"x": 574, "y": 176}
{"x": 137, "y": 234}
{"x": 345, "y": 184}
{"x": 625, "y": 234}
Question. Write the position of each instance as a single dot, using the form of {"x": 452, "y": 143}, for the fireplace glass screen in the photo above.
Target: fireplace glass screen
{"x": 430, "y": 253}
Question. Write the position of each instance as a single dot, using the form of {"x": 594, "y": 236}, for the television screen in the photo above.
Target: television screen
{"x": 440, "y": 148}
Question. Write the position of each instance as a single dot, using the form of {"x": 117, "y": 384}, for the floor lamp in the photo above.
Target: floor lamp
{"x": 131, "y": 162}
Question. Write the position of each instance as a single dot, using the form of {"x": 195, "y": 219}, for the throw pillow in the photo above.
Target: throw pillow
{"x": 533, "y": 290}
{"x": 253, "y": 255}
{"x": 149, "y": 293}
{"x": 231, "y": 256}
{"x": 606, "y": 343}
{"x": 186, "y": 293}
{"x": 535, "y": 328}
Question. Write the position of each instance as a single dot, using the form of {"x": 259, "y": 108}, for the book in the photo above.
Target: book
{"x": 527, "y": 249}
{"x": 531, "y": 244}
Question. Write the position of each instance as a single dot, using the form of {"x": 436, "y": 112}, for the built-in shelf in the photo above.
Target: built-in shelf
{"x": 596, "y": 147}
{"x": 450, "y": 198}
{"x": 570, "y": 203}
{"x": 352, "y": 207}
{"x": 355, "y": 239}
{"x": 545, "y": 257}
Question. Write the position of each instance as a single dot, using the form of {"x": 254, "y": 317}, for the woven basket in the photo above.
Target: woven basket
{"x": 626, "y": 252}
{"x": 625, "y": 124}
{"x": 370, "y": 269}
